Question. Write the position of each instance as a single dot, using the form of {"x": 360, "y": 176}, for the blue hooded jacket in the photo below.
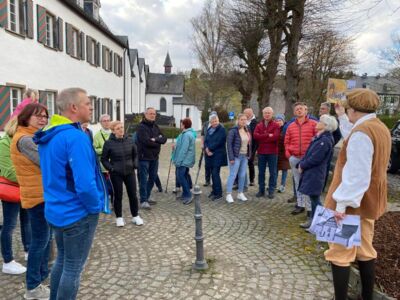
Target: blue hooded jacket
{"x": 72, "y": 181}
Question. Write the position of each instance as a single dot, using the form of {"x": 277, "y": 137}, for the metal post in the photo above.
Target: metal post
{"x": 200, "y": 263}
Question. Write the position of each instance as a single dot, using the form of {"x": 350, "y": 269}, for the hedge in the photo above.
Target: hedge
{"x": 169, "y": 132}
{"x": 389, "y": 120}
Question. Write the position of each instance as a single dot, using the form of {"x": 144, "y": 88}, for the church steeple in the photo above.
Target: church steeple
{"x": 167, "y": 64}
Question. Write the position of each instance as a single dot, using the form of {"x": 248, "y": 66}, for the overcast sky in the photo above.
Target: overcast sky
{"x": 157, "y": 26}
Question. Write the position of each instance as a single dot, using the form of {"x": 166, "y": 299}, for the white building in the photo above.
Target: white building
{"x": 49, "y": 45}
{"x": 166, "y": 93}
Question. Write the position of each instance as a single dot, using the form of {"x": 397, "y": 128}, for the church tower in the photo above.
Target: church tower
{"x": 167, "y": 64}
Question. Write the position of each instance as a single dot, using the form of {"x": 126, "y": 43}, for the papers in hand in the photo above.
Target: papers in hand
{"x": 325, "y": 228}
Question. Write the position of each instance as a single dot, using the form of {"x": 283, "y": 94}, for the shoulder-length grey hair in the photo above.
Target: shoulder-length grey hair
{"x": 330, "y": 122}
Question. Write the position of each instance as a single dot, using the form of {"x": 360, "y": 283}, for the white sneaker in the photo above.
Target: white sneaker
{"x": 26, "y": 256}
{"x": 13, "y": 268}
{"x": 281, "y": 189}
{"x": 241, "y": 197}
{"x": 229, "y": 198}
{"x": 38, "y": 293}
{"x": 137, "y": 220}
{"x": 120, "y": 222}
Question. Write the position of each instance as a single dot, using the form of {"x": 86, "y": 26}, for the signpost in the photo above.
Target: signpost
{"x": 231, "y": 115}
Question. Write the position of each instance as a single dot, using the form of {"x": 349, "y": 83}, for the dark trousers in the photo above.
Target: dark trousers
{"x": 208, "y": 171}
{"x": 158, "y": 183}
{"x": 37, "y": 269}
{"x": 216, "y": 181}
{"x": 252, "y": 172}
{"x": 10, "y": 215}
{"x": 271, "y": 160}
{"x": 185, "y": 181}
{"x": 109, "y": 187}
{"x": 148, "y": 170}
{"x": 315, "y": 201}
{"x": 130, "y": 184}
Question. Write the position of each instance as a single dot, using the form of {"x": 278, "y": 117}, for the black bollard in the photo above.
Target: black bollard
{"x": 200, "y": 263}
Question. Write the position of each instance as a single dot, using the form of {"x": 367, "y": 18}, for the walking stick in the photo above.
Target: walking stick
{"x": 198, "y": 170}
{"x": 169, "y": 169}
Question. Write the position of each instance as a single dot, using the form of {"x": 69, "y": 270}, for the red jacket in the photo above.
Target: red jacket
{"x": 267, "y": 137}
{"x": 298, "y": 137}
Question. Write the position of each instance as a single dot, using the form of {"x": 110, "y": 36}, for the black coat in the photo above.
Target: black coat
{"x": 147, "y": 149}
{"x": 119, "y": 155}
{"x": 314, "y": 164}
{"x": 254, "y": 144}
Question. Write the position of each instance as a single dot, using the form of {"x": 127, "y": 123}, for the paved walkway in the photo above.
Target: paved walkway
{"x": 255, "y": 251}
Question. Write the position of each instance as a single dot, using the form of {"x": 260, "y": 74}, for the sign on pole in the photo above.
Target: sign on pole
{"x": 231, "y": 115}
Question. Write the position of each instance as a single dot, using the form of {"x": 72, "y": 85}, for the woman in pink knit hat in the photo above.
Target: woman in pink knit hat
{"x": 30, "y": 96}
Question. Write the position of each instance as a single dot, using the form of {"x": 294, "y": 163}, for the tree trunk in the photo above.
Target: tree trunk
{"x": 293, "y": 37}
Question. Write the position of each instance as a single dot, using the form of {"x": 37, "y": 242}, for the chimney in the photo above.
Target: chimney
{"x": 167, "y": 64}
{"x": 92, "y": 7}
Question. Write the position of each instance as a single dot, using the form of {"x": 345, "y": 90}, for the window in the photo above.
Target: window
{"x": 80, "y": 3}
{"x": 93, "y": 52}
{"x": 106, "y": 58}
{"x": 187, "y": 112}
{"x": 163, "y": 105}
{"x": 118, "y": 110}
{"x": 49, "y": 30}
{"x": 16, "y": 96}
{"x": 51, "y": 96}
{"x": 13, "y": 24}
{"x": 97, "y": 102}
{"x": 110, "y": 108}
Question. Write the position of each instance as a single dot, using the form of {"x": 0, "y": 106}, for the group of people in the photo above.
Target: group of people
{"x": 66, "y": 176}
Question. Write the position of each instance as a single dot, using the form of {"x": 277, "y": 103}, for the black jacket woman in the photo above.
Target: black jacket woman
{"x": 119, "y": 157}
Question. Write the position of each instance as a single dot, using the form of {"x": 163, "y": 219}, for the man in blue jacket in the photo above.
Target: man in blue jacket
{"x": 74, "y": 190}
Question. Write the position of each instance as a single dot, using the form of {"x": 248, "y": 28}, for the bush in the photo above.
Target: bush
{"x": 228, "y": 125}
{"x": 169, "y": 132}
{"x": 389, "y": 120}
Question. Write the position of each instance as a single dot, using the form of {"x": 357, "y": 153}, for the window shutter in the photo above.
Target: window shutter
{"x": 60, "y": 34}
{"x": 5, "y": 105}
{"x": 110, "y": 61}
{"x": 89, "y": 49}
{"x": 110, "y": 108}
{"x": 82, "y": 51}
{"x": 29, "y": 19}
{"x": 43, "y": 98}
{"x": 120, "y": 66}
{"x": 69, "y": 39}
{"x": 21, "y": 17}
{"x": 41, "y": 24}
{"x": 115, "y": 63}
{"x": 4, "y": 13}
{"x": 103, "y": 57}
{"x": 97, "y": 55}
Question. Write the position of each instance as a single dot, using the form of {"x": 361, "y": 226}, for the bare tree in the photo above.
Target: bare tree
{"x": 208, "y": 44}
{"x": 326, "y": 54}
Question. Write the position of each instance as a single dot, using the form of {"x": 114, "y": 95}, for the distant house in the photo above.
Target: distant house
{"x": 166, "y": 93}
{"x": 388, "y": 89}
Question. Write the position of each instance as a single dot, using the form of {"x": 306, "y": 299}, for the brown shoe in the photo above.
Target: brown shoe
{"x": 292, "y": 200}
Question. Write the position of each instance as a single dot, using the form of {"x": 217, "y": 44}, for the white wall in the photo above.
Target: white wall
{"x": 194, "y": 115}
{"x": 27, "y": 62}
{"x": 153, "y": 100}
{"x": 142, "y": 93}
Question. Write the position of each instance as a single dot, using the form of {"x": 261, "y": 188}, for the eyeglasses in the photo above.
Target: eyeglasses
{"x": 42, "y": 117}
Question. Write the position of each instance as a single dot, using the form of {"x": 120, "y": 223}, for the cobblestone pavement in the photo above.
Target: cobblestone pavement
{"x": 255, "y": 250}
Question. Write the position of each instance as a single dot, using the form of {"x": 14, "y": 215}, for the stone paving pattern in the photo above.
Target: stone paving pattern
{"x": 255, "y": 250}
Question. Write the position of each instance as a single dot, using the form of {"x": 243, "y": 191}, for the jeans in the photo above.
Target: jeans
{"x": 177, "y": 184}
{"x": 109, "y": 187}
{"x": 185, "y": 181}
{"x": 38, "y": 258}
{"x": 73, "y": 246}
{"x": 238, "y": 168}
{"x": 315, "y": 201}
{"x": 302, "y": 200}
{"x": 216, "y": 181}
{"x": 157, "y": 181}
{"x": 130, "y": 184}
{"x": 271, "y": 160}
{"x": 283, "y": 177}
{"x": 10, "y": 215}
{"x": 148, "y": 170}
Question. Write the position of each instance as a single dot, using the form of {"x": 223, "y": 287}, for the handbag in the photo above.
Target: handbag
{"x": 9, "y": 190}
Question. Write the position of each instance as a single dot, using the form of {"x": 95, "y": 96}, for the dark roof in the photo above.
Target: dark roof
{"x": 124, "y": 39}
{"x": 133, "y": 58}
{"x": 146, "y": 70}
{"x": 99, "y": 24}
{"x": 165, "y": 83}
{"x": 167, "y": 62}
{"x": 380, "y": 84}
{"x": 186, "y": 100}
